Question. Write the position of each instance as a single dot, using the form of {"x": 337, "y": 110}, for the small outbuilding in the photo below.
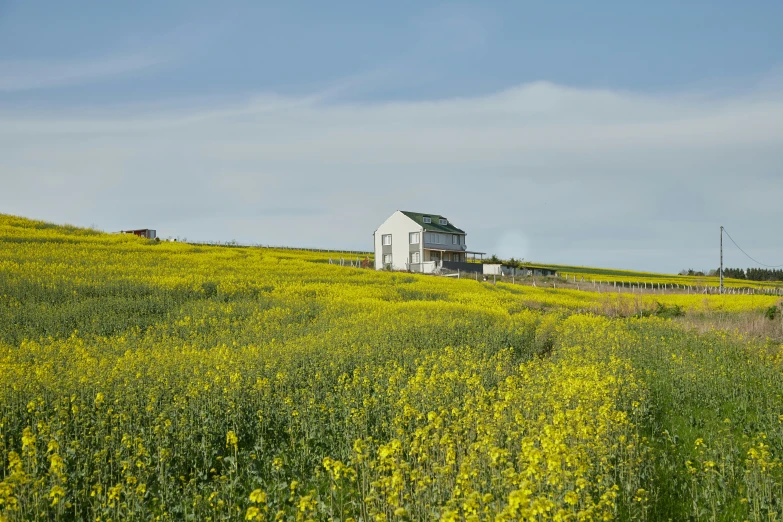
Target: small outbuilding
{"x": 528, "y": 270}
{"x": 142, "y": 232}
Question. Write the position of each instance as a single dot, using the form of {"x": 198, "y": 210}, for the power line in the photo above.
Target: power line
{"x": 740, "y": 249}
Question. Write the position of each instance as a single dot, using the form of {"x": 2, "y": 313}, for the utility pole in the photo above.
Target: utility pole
{"x": 721, "y": 260}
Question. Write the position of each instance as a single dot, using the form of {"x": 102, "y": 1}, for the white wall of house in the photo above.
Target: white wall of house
{"x": 376, "y": 237}
{"x": 399, "y": 226}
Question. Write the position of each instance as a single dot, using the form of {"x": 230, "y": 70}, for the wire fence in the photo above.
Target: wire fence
{"x": 566, "y": 282}
{"x": 234, "y": 244}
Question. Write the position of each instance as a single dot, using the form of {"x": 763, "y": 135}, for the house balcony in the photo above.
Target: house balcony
{"x": 445, "y": 247}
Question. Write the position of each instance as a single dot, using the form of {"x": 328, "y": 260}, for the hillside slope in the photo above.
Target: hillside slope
{"x": 143, "y": 379}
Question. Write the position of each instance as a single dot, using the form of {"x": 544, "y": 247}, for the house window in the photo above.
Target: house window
{"x": 427, "y": 219}
{"x": 414, "y": 238}
{"x": 455, "y": 239}
{"x": 386, "y": 239}
{"x": 415, "y": 257}
{"x": 443, "y": 221}
{"x": 387, "y": 259}
{"x": 455, "y": 257}
{"x": 435, "y": 238}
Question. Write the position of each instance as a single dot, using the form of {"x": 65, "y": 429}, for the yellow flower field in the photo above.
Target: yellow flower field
{"x": 144, "y": 380}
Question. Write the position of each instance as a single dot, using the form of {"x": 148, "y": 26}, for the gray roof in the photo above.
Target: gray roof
{"x": 435, "y": 225}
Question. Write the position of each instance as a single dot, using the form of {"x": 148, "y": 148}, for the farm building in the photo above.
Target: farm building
{"x": 529, "y": 270}
{"x": 423, "y": 243}
{"x": 142, "y": 232}
{"x": 540, "y": 271}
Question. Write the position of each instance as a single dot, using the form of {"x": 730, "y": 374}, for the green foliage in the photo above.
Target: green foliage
{"x": 668, "y": 312}
{"x": 663, "y": 311}
{"x": 210, "y": 288}
{"x": 715, "y": 423}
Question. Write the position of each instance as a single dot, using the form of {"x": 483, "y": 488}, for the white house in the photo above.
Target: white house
{"x": 421, "y": 243}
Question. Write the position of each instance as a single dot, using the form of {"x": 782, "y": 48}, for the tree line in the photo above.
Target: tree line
{"x": 754, "y": 274}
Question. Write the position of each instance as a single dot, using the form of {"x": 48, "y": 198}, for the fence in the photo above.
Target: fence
{"x": 640, "y": 287}
{"x": 355, "y": 263}
{"x": 427, "y": 267}
{"x": 272, "y": 247}
{"x": 463, "y": 267}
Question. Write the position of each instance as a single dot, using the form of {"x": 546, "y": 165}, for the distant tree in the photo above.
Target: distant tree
{"x": 764, "y": 274}
{"x": 734, "y": 273}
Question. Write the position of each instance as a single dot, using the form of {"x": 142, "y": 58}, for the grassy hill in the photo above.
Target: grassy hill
{"x": 154, "y": 380}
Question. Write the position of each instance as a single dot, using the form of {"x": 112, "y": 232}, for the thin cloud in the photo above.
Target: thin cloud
{"x": 552, "y": 173}
{"x": 38, "y": 74}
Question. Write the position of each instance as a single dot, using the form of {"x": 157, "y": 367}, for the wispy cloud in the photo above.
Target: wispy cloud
{"x": 40, "y": 74}
{"x": 542, "y": 171}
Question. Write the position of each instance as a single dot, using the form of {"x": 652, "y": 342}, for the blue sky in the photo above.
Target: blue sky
{"x": 411, "y": 50}
{"x": 620, "y": 134}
